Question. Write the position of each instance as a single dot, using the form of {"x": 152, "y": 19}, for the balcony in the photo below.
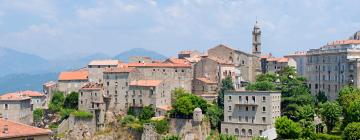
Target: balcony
{"x": 250, "y": 103}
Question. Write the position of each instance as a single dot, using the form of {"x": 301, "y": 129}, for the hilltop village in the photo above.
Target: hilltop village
{"x": 177, "y": 98}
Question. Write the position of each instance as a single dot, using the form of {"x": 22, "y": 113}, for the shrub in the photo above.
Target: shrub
{"x": 82, "y": 114}
{"x": 322, "y": 136}
{"x": 287, "y": 129}
{"x": 161, "y": 126}
{"x": 65, "y": 113}
{"x": 352, "y": 131}
{"x": 71, "y": 100}
{"x": 38, "y": 114}
{"x": 172, "y": 137}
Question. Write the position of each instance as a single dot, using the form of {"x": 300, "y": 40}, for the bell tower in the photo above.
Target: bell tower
{"x": 256, "y": 40}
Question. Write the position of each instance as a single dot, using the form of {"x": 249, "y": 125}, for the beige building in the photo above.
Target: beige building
{"x": 275, "y": 65}
{"x": 205, "y": 88}
{"x": 139, "y": 59}
{"x": 300, "y": 61}
{"x": 92, "y": 99}
{"x": 38, "y": 100}
{"x": 97, "y": 67}
{"x": 49, "y": 88}
{"x": 249, "y": 113}
{"x": 16, "y": 107}
{"x": 11, "y": 130}
{"x": 72, "y": 80}
{"x": 333, "y": 66}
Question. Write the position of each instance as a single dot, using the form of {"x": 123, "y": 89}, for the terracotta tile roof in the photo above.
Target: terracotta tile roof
{"x": 120, "y": 70}
{"x": 74, "y": 75}
{"x": 161, "y": 65}
{"x": 31, "y": 93}
{"x": 284, "y": 59}
{"x": 164, "y": 107}
{"x": 203, "y": 79}
{"x": 92, "y": 86}
{"x": 146, "y": 83}
{"x": 50, "y": 84}
{"x": 177, "y": 61}
{"x": 104, "y": 62}
{"x": 267, "y": 56}
{"x": 16, "y": 130}
{"x": 193, "y": 59}
{"x": 13, "y": 97}
{"x": 343, "y": 42}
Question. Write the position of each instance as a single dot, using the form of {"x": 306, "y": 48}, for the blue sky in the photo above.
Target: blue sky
{"x": 59, "y": 28}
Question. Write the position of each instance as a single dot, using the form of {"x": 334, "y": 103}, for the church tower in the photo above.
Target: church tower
{"x": 256, "y": 40}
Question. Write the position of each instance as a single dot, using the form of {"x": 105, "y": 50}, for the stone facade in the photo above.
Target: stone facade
{"x": 72, "y": 80}
{"x": 205, "y": 88}
{"x": 249, "y": 113}
{"x": 16, "y": 107}
{"x": 333, "y": 66}
{"x": 97, "y": 67}
{"x": 139, "y": 59}
{"x": 275, "y": 65}
{"x": 300, "y": 62}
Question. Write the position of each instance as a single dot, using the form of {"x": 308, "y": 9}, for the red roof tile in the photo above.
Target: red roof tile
{"x": 13, "y": 97}
{"x": 31, "y": 93}
{"x": 74, "y": 75}
{"x": 16, "y": 130}
{"x": 164, "y": 107}
{"x": 146, "y": 83}
{"x": 177, "y": 61}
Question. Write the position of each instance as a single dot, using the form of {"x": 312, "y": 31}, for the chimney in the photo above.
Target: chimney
{"x": 5, "y": 129}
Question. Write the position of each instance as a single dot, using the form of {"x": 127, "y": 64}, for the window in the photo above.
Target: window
{"x": 140, "y": 101}
{"x": 264, "y": 98}
{"x": 133, "y": 102}
{"x": 240, "y": 119}
{"x": 229, "y": 97}
{"x": 264, "y": 119}
{"x": 247, "y": 108}
{"x": 237, "y": 131}
{"x": 107, "y": 83}
{"x": 243, "y": 131}
{"x": 249, "y": 132}
{"x": 252, "y": 119}
{"x": 226, "y": 130}
{"x": 240, "y": 98}
{"x": 264, "y": 109}
{"x": 246, "y": 119}
{"x": 260, "y": 132}
{"x": 253, "y": 98}
{"x": 229, "y": 108}
{"x": 6, "y": 106}
{"x": 253, "y": 108}
{"x": 81, "y": 93}
{"x": 230, "y": 118}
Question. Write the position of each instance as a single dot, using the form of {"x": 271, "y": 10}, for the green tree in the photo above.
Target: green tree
{"x": 347, "y": 95}
{"x": 172, "y": 137}
{"x": 38, "y": 114}
{"x": 305, "y": 112}
{"x": 353, "y": 112}
{"x": 57, "y": 101}
{"x": 321, "y": 97}
{"x": 183, "y": 107}
{"x": 226, "y": 84}
{"x": 308, "y": 129}
{"x": 269, "y": 77}
{"x": 259, "y": 138}
{"x": 147, "y": 113}
{"x": 226, "y": 137}
{"x": 161, "y": 126}
{"x": 215, "y": 114}
{"x": 261, "y": 86}
{"x": 330, "y": 113}
{"x": 287, "y": 129}
{"x": 352, "y": 131}
{"x": 71, "y": 100}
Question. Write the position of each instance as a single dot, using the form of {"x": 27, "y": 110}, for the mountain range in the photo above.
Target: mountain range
{"x": 23, "y": 71}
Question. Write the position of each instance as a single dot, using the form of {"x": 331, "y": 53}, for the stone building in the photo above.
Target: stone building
{"x": 16, "y": 107}
{"x": 333, "y": 66}
{"x": 156, "y": 93}
{"x": 205, "y": 88}
{"x": 93, "y": 100}
{"x": 249, "y": 113}
{"x": 188, "y": 54}
{"x": 97, "y": 67}
{"x": 72, "y": 80}
{"x": 38, "y": 100}
{"x": 275, "y": 65}
{"x": 139, "y": 59}
{"x": 49, "y": 88}
{"x": 10, "y": 130}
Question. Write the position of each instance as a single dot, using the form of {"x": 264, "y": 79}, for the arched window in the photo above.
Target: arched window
{"x": 226, "y": 130}
{"x": 243, "y": 131}
{"x": 249, "y": 132}
{"x": 237, "y": 131}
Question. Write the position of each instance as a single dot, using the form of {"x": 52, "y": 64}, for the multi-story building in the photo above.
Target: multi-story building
{"x": 16, "y": 107}
{"x": 300, "y": 62}
{"x": 139, "y": 59}
{"x": 154, "y": 93}
{"x": 333, "y": 66}
{"x": 275, "y": 65}
{"x": 72, "y": 80}
{"x": 38, "y": 100}
{"x": 97, "y": 67}
{"x": 188, "y": 54}
{"x": 92, "y": 99}
{"x": 249, "y": 113}
{"x": 49, "y": 88}
{"x": 10, "y": 130}
{"x": 205, "y": 88}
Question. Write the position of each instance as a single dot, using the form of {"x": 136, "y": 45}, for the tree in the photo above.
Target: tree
{"x": 71, "y": 100}
{"x": 353, "y": 112}
{"x": 347, "y": 95}
{"x": 147, "y": 113}
{"x": 57, "y": 101}
{"x": 321, "y": 97}
{"x": 161, "y": 126}
{"x": 305, "y": 112}
{"x": 172, "y": 137}
{"x": 352, "y": 131}
{"x": 226, "y": 84}
{"x": 259, "y": 138}
{"x": 287, "y": 129}
{"x": 183, "y": 107}
{"x": 308, "y": 129}
{"x": 38, "y": 114}
{"x": 215, "y": 114}
{"x": 262, "y": 86}
{"x": 330, "y": 113}
{"x": 269, "y": 77}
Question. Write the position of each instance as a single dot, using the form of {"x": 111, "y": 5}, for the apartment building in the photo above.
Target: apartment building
{"x": 16, "y": 107}
{"x": 69, "y": 81}
{"x": 38, "y": 100}
{"x": 11, "y": 130}
{"x": 49, "y": 88}
{"x": 205, "y": 88}
{"x": 300, "y": 62}
{"x": 250, "y": 113}
{"x": 272, "y": 64}
{"x": 333, "y": 66}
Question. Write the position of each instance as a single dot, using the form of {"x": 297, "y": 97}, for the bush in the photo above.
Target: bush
{"x": 127, "y": 120}
{"x": 147, "y": 113}
{"x": 352, "y": 131}
{"x": 287, "y": 129}
{"x": 71, "y": 100}
{"x": 172, "y": 137}
{"x": 65, "y": 113}
{"x": 321, "y": 136}
{"x": 161, "y": 126}
{"x": 57, "y": 101}
{"x": 82, "y": 114}
{"x": 38, "y": 114}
